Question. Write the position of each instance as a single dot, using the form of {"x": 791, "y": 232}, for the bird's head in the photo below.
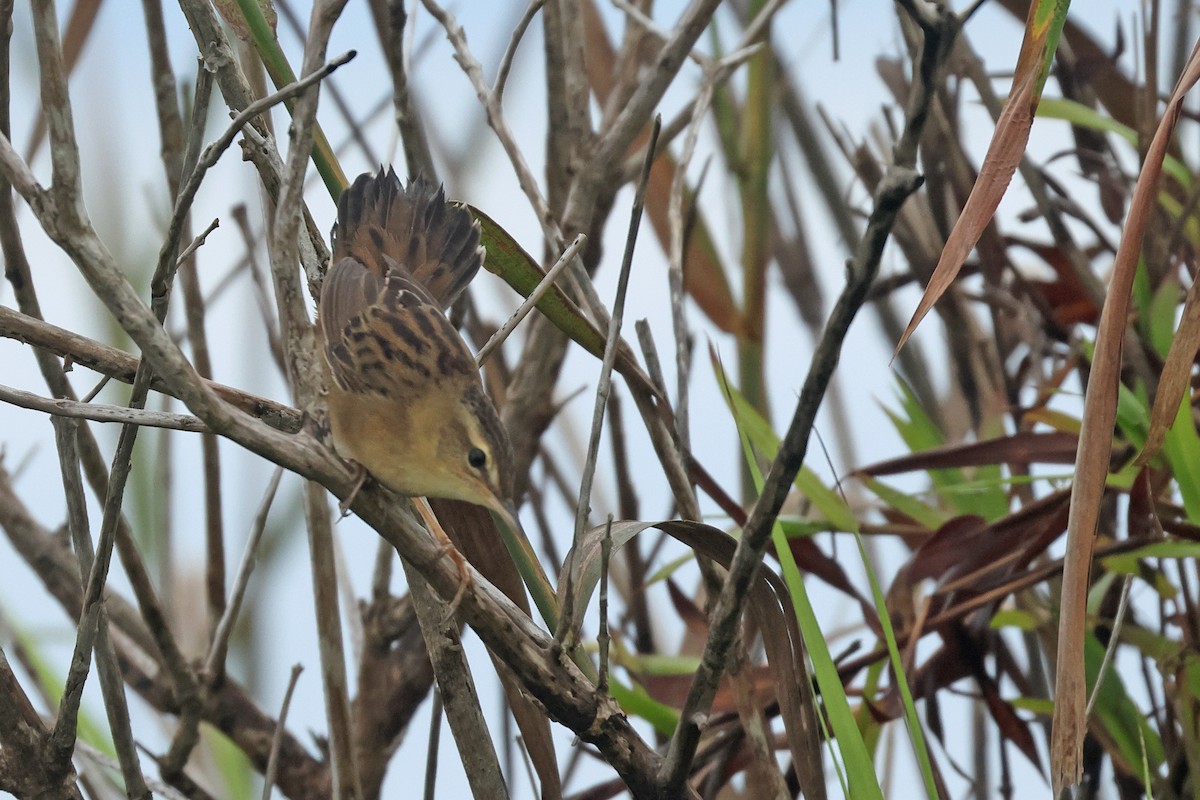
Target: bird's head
{"x": 473, "y": 461}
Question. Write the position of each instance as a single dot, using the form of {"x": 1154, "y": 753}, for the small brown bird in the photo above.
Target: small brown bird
{"x": 406, "y": 402}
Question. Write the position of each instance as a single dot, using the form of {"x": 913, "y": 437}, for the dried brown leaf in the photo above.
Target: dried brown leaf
{"x": 1176, "y": 375}
{"x": 1003, "y": 156}
{"x": 1091, "y": 463}
{"x": 1024, "y": 447}
{"x": 770, "y": 605}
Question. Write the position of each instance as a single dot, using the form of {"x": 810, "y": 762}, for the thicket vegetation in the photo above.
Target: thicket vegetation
{"x": 1059, "y": 404}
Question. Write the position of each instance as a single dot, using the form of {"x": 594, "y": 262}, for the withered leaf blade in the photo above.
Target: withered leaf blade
{"x": 1176, "y": 375}
{"x": 996, "y": 173}
{"x": 771, "y": 606}
{"x": 1091, "y": 463}
{"x": 1023, "y": 447}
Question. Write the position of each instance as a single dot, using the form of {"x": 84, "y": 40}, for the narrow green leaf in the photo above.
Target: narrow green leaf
{"x": 281, "y": 73}
{"x": 861, "y": 781}
{"x": 764, "y": 440}
{"x": 908, "y": 505}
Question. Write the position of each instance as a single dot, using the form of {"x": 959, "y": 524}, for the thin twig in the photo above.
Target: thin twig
{"x": 435, "y": 740}
{"x": 258, "y": 280}
{"x": 87, "y": 753}
{"x": 475, "y": 749}
{"x": 102, "y": 413}
{"x": 495, "y": 117}
{"x": 510, "y": 52}
{"x": 604, "y": 385}
{"x": 602, "y": 638}
{"x": 675, "y": 253}
{"x": 196, "y": 244}
{"x": 330, "y": 641}
{"x": 627, "y": 498}
{"x": 214, "y": 665}
{"x": 650, "y": 353}
{"x": 198, "y": 119}
{"x": 95, "y": 392}
{"x": 642, "y": 20}
{"x": 398, "y": 49}
{"x": 1114, "y": 640}
{"x": 677, "y": 464}
{"x": 60, "y": 743}
{"x": 280, "y": 730}
{"x": 543, "y": 286}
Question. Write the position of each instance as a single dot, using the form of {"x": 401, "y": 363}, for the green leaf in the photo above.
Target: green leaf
{"x": 860, "y": 778}
{"x": 668, "y": 569}
{"x": 1037, "y": 705}
{"x": 1127, "y": 562}
{"x": 1160, "y": 322}
{"x": 1084, "y": 117}
{"x": 1126, "y": 726}
{"x": 507, "y": 259}
{"x": 762, "y": 438}
{"x": 1133, "y": 418}
{"x": 920, "y": 433}
{"x": 1014, "y": 618}
{"x": 908, "y": 505}
{"x": 654, "y": 664}
{"x": 1182, "y": 448}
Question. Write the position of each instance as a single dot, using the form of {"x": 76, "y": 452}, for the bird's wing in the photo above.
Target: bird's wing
{"x": 384, "y": 226}
{"x": 386, "y": 336}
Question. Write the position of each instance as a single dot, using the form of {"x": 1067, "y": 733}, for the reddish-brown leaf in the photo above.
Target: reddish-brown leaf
{"x": 1065, "y": 297}
{"x": 672, "y": 690}
{"x": 1024, "y": 447}
{"x": 691, "y": 614}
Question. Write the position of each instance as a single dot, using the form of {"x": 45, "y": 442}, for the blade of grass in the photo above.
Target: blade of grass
{"x": 849, "y": 736}
{"x": 276, "y": 63}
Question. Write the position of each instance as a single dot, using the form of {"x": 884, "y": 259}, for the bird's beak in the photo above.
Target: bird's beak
{"x": 505, "y": 513}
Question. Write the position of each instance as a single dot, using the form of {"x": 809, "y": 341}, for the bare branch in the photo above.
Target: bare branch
{"x": 102, "y": 413}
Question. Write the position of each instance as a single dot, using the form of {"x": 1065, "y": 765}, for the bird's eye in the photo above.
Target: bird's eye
{"x": 476, "y": 457}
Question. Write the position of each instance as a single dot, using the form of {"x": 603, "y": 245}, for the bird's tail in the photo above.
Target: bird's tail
{"x": 386, "y": 227}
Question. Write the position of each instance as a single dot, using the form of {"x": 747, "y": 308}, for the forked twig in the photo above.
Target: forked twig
{"x": 212, "y": 153}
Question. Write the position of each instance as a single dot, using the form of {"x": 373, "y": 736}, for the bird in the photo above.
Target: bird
{"x": 405, "y": 399}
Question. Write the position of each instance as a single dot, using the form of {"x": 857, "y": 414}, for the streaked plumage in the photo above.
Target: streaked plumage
{"x": 406, "y": 401}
